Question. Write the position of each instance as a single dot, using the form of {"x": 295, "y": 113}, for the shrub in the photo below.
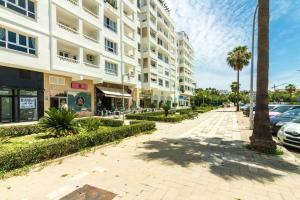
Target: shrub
{"x": 60, "y": 122}
{"x": 36, "y": 152}
{"x": 90, "y": 124}
{"x": 166, "y": 108}
{"x": 112, "y": 122}
{"x": 20, "y": 130}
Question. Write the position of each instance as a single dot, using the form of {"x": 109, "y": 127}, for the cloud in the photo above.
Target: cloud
{"x": 215, "y": 27}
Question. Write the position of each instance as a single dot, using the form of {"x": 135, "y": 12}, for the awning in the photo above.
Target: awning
{"x": 112, "y": 92}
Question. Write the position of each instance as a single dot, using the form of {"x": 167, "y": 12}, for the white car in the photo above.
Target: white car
{"x": 289, "y": 134}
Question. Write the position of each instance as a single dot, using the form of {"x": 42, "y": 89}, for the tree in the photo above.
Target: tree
{"x": 290, "y": 88}
{"x": 261, "y": 139}
{"x": 237, "y": 59}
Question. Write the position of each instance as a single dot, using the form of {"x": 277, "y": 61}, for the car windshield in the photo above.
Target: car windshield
{"x": 281, "y": 109}
{"x": 291, "y": 113}
{"x": 271, "y": 107}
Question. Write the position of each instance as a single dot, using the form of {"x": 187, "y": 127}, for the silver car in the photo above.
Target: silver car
{"x": 289, "y": 134}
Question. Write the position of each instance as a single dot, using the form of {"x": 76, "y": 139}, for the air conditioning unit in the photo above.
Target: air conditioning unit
{"x": 131, "y": 73}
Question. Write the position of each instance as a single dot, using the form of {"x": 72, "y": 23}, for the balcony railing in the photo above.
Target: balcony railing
{"x": 71, "y": 60}
{"x": 90, "y": 12}
{"x": 90, "y": 64}
{"x": 67, "y": 28}
{"x": 90, "y": 38}
{"x": 112, "y": 3}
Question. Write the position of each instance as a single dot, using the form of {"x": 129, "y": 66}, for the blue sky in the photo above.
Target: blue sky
{"x": 217, "y": 26}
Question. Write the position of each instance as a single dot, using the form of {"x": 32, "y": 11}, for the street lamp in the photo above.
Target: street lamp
{"x": 252, "y": 70}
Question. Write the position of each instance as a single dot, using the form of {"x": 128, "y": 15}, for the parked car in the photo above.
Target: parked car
{"x": 278, "y": 121}
{"x": 289, "y": 134}
{"x": 281, "y": 109}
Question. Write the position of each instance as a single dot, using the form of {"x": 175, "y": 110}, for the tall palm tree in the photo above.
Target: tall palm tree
{"x": 237, "y": 59}
{"x": 261, "y": 139}
{"x": 290, "y": 88}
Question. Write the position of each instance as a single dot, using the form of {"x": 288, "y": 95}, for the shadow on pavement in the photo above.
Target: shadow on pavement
{"x": 227, "y": 159}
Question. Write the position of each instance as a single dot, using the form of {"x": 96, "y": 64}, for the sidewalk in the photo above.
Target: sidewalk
{"x": 203, "y": 158}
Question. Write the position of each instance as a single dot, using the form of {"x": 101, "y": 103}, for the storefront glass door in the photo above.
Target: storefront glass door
{"x": 6, "y": 109}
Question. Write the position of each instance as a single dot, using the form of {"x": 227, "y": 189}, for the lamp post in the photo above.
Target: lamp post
{"x": 252, "y": 70}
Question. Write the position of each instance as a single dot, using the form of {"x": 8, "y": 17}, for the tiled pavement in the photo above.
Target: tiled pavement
{"x": 203, "y": 158}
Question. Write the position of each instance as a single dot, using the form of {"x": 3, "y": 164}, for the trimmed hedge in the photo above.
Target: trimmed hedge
{"x": 33, "y": 153}
{"x": 19, "y": 130}
{"x": 22, "y": 130}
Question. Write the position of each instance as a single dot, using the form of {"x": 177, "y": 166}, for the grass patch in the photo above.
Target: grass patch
{"x": 272, "y": 152}
{"x": 19, "y": 152}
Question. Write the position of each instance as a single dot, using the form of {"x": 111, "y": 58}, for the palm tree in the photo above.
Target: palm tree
{"x": 237, "y": 59}
{"x": 261, "y": 139}
{"x": 290, "y": 88}
{"x": 234, "y": 89}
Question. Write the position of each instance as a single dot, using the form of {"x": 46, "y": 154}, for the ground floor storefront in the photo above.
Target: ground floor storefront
{"x": 76, "y": 95}
{"x": 21, "y": 95}
{"x": 155, "y": 99}
{"x": 184, "y": 101}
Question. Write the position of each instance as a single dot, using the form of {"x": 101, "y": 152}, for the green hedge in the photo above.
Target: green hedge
{"x": 57, "y": 147}
{"x": 19, "y": 130}
{"x": 22, "y": 130}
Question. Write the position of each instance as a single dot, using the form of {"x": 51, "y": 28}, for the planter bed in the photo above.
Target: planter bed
{"x": 18, "y": 152}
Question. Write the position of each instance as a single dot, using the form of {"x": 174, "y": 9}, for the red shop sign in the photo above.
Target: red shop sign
{"x": 81, "y": 86}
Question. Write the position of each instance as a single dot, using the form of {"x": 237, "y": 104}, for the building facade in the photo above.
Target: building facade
{"x": 83, "y": 53}
{"x": 186, "y": 69}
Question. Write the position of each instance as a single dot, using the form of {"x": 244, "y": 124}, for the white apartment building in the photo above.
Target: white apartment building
{"x": 158, "y": 48}
{"x": 186, "y": 70}
{"x": 80, "y": 52}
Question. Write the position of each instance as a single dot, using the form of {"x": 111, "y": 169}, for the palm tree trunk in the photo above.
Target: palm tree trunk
{"x": 261, "y": 140}
{"x": 238, "y": 92}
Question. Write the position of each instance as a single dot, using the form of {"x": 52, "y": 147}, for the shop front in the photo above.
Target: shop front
{"x": 64, "y": 92}
{"x": 109, "y": 98}
{"x": 184, "y": 101}
{"x": 21, "y": 95}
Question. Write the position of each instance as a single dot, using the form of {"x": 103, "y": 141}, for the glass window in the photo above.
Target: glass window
{"x": 110, "y": 46}
{"x": 110, "y": 24}
{"x": 5, "y": 92}
{"x": 22, "y": 40}
{"x": 12, "y": 37}
{"x": 31, "y": 43}
{"x": 111, "y": 68}
{"x": 22, "y": 3}
{"x": 28, "y": 92}
{"x": 28, "y": 109}
{"x": 31, "y": 7}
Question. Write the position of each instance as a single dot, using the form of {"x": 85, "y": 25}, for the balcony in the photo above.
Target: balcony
{"x": 90, "y": 32}
{"x": 111, "y": 6}
{"x": 91, "y": 7}
{"x": 67, "y": 53}
{"x": 90, "y": 59}
{"x": 67, "y": 21}
{"x": 74, "y": 2}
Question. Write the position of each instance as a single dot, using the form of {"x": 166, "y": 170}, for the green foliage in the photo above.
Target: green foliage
{"x": 20, "y": 130}
{"x": 112, "y": 122}
{"x": 59, "y": 123}
{"x": 90, "y": 124}
{"x": 42, "y": 150}
{"x": 239, "y": 57}
{"x": 167, "y": 108}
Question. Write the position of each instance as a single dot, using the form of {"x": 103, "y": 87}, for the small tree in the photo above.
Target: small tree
{"x": 167, "y": 108}
{"x": 291, "y": 89}
{"x": 59, "y": 123}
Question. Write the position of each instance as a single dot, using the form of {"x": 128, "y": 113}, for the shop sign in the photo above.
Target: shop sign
{"x": 80, "y": 86}
{"x": 27, "y": 103}
{"x": 80, "y": 101}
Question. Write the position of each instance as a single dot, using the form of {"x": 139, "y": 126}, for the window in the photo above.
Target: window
{"x": 55, "y": 80}
{"x": 25, "y": 7}
{"x": 160, "y": 82}
{"x": 110, "y": 24}
{"x": 160, "y": 56}
{"x": 139, "y": 77}
{"x": 111, "y": 68}
{"x": 16, "y": 41}
{"x": 146, "y": 78}
{"x": 167, "y": 73}
{"x": 90, "y": 58}
{"x": 110, "y": 46}
{"x": 167, "y": 84}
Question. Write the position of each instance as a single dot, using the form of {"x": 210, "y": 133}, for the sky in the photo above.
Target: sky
{"x": 215, "y": 27}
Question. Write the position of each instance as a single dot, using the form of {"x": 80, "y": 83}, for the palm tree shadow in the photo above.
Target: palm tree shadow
{"x": 226, "y": 159}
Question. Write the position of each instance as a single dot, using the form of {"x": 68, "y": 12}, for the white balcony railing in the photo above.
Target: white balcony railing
{"x": 90, "y": 64}
{"x": 90, "y": 38}
{"x": 67, "y": 28}
{"x": 90, "y": 12}
{"x": 71, "y": 60}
